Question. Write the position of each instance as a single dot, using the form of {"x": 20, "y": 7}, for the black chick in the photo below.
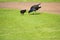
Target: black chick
{"x": 34, "y": 8}
{"x": 23, "y": 11}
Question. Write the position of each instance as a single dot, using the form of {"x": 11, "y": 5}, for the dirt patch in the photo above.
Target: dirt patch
{"x": 46, "y": 7}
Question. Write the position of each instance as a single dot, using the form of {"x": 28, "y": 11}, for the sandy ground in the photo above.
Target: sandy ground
{"x": 46, "y": 7}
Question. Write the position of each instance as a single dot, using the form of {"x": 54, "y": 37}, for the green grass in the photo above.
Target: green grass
{"x": 14, "y": 26}
{"x": 29, "y": 0}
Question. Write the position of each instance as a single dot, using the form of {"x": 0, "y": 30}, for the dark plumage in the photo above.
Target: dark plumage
{"x": 34, "y": 8}
{"x": 23, "y": 11}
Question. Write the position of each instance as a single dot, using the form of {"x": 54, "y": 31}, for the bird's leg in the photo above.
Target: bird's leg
{"x": 28, "y": 13}
{"x": 34, "y": 12}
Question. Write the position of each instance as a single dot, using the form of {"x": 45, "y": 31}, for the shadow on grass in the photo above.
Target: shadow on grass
{"x": 35, "y": 14}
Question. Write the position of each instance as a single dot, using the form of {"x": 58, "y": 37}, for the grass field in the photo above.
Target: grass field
{"x": 29, "y": 0}
{"x": 14, "y": 26}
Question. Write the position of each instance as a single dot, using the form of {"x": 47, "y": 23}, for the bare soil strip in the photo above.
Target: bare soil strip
{"x": 46, "y": 7}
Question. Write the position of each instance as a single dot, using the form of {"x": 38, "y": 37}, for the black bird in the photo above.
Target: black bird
{"x": 34, "y": 8}
{"x": 23, "y": 11}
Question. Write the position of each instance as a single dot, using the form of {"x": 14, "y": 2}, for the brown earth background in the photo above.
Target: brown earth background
{"x": 46, "y": 7}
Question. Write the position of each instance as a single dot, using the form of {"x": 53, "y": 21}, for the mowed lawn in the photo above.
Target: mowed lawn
{"x": 29, "y": 0}
{"x": 14, "y": 26}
